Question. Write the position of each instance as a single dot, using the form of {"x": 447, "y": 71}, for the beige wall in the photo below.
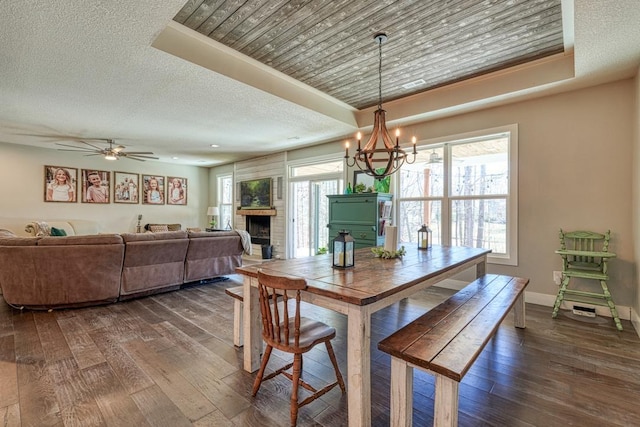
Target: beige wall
{"x": 575, "y": 169}
{"x": 22, "y": 191}
{"x": 575, "y": 172}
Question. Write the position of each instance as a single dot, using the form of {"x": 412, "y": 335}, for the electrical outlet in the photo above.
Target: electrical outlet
{"x": 557, "y": 277}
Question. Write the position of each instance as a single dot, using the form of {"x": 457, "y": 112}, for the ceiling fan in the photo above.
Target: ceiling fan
{"x": 434, "y": 157}
{"x": 113, "y": 152}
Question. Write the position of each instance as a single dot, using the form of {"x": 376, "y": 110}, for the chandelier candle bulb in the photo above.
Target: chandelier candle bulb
{"x": 413, "y": 141}
{"x": 359, "y": 136}
{"x": 346, "y": 149}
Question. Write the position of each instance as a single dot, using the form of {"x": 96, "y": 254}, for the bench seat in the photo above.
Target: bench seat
{"x": 447, "y": 340}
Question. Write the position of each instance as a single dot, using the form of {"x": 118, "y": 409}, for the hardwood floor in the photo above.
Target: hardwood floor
{"x": 168, "y": 360}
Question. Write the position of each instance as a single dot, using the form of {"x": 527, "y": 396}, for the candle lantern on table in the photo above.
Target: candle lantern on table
{"x": 343, "y": 247}
{"x": 424, "y": 237}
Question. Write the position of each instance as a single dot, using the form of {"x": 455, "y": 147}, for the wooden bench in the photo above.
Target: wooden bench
{"x": 447, "y": 340}
{"x": 237, "y": 293}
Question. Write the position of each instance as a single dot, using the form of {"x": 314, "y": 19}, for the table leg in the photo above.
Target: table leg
{"x": 251, "y": 324}
{"x": 481, "y": 268}
{"x": 359, "y": 365}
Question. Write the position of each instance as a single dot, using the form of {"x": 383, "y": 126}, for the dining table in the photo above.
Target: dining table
{"x": 372, "y": 284}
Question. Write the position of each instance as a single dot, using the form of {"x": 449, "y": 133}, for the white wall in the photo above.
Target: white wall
{"x": 636, "y": 199}
{"x": 22, "y": 191}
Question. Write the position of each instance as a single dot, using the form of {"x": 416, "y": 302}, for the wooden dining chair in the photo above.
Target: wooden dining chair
{"x": 291, "y": 334}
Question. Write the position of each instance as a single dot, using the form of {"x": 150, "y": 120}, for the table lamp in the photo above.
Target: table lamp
{"x": 213, "y": 212}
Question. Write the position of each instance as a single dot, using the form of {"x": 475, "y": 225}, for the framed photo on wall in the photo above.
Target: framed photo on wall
{"x": 125, "y": 187}
{"x": 95, "y": 186}
{"x": 176, "y": 190}
{"x": 60, "y": 184}
{"x": 153, "y": 193}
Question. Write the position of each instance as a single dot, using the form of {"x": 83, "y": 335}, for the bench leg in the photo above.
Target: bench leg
{"x": 237, "y": 323}
{"x": 519, "y": 312}
{"x": 446, "y": 402}
{"x": 401, "y": 393}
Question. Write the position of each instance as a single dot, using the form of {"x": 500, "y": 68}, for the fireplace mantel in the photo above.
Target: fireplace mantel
{"x": 257, "y": 212}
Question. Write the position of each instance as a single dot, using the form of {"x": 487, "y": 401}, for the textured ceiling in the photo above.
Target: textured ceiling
{"x": 126, "y": 70}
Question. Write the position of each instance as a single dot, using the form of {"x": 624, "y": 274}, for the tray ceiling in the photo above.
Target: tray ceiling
{"x": 329, "y": 45}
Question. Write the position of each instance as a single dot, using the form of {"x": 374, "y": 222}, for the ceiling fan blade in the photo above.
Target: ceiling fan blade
{"x": 91, "y": 145}
{"x": 94, "y": 154}
{"x": 138, "y": 152}
{"x": 135, "y": 158}
{"x": 73, "y": 146}
{"x": 141, "y": 157}
{"x": 118, "y": 148}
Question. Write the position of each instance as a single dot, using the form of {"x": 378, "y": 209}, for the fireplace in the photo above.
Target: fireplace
{"x": 259, "y": 227}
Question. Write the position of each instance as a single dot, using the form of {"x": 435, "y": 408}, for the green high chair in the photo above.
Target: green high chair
{"x": 585, "y": 255}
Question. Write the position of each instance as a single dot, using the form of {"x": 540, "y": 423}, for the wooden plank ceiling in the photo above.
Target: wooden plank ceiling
{"x": 329, "y": 44}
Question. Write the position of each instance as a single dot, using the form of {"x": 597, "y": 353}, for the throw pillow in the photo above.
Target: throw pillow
{"x": 38, "y": 228}
{"x": 194, "y": 229}
{"x": 6, "y": 233}
{"x": 158, "y": 228}
{"x": 58, "y": 231}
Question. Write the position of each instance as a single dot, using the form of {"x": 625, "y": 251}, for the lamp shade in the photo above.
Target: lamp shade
{"x": 213, "y": 210}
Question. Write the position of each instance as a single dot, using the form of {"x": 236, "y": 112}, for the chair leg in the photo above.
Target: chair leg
{"x": 332, "y": 356}
{"x": 611, "y": 304}
{"x": 297, "y": 370}
{"x": 263, "y": 365}
{"x": 560, "y": 296}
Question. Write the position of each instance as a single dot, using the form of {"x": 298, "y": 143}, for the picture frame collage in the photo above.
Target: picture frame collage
{"x": 62, "y": 183}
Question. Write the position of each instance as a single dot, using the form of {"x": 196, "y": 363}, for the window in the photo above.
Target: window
{"x": 310, "y": 183}
{"x": 225, "y": 201}
{"x": 465, "y": 190}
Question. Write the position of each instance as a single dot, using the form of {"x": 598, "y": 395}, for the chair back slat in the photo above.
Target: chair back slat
{"x": 584, "y": 241}
{"x": 276, "y": 317}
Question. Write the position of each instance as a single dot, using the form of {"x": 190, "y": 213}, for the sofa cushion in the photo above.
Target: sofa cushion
{"x": 19, "y": 241}
{"x": 98, "y": 239}
{"x": 147, "y": 237}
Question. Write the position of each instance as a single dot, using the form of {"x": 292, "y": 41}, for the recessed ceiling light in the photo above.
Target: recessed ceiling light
{"x": 214, "y": 146}
{"x": 413, "y": 84}
{"x": 175, "y": 158}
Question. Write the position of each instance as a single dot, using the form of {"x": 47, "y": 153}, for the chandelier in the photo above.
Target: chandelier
{"x": 387, "y": 159}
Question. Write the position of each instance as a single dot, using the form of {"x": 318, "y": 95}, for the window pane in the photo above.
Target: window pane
{"x": 480, "y": 224}
{"x": 424, "y": 177}
{"x": 318, "y": 169}
{"x": 226, "y": 190}
{"x": 480, "y": 168}
{"x": 225, "y": 217}
{"x": 415, "y": 213}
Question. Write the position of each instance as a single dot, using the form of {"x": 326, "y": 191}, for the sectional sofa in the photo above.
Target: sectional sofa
{"x": 78, "y": 270}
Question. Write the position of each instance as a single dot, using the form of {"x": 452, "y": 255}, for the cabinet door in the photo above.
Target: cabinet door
{"x": 354, "y": 211}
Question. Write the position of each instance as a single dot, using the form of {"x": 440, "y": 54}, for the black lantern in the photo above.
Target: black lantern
{"x": 343, "y": 246}
{"x": 424, "y": 237}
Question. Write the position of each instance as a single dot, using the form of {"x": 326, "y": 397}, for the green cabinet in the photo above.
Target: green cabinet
{"x": 364, "y": 215}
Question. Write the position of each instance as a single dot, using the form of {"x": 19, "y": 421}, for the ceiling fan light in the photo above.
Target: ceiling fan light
{"x": 110, "y": 156}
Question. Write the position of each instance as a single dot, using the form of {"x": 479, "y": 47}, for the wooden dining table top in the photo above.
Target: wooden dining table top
{"x": 372, "y": 278}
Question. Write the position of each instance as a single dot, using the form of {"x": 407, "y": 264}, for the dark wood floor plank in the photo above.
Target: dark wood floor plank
{"x": 116, "y": 406}
{"x": 38, "y": 402}
{"x": 82, "y": 346}
{"x": 54, "y": 344}
{"x": 169, "y": 360}
{"x": 78, "y": 406}
{"x": 10, "y": 416}
{"x": 158, "y": 409}
{"x": 130, "y": 375}
{"x": 193, "y": 404}
{"x": 8, "y": 372}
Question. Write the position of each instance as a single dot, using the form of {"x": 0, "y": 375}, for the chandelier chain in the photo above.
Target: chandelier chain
{"x": 380, "y": 74}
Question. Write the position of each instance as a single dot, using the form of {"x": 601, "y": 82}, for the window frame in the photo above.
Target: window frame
{"x": 510, "y": 257}
{"x": 220, "y": 203}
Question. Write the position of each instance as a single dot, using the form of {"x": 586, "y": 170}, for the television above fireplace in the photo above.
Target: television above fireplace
{"x": 255, "y": 194}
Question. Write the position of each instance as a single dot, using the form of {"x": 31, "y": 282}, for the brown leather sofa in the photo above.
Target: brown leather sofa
{"x": 74, "y": 271}
{"x": 50, "y": 272}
